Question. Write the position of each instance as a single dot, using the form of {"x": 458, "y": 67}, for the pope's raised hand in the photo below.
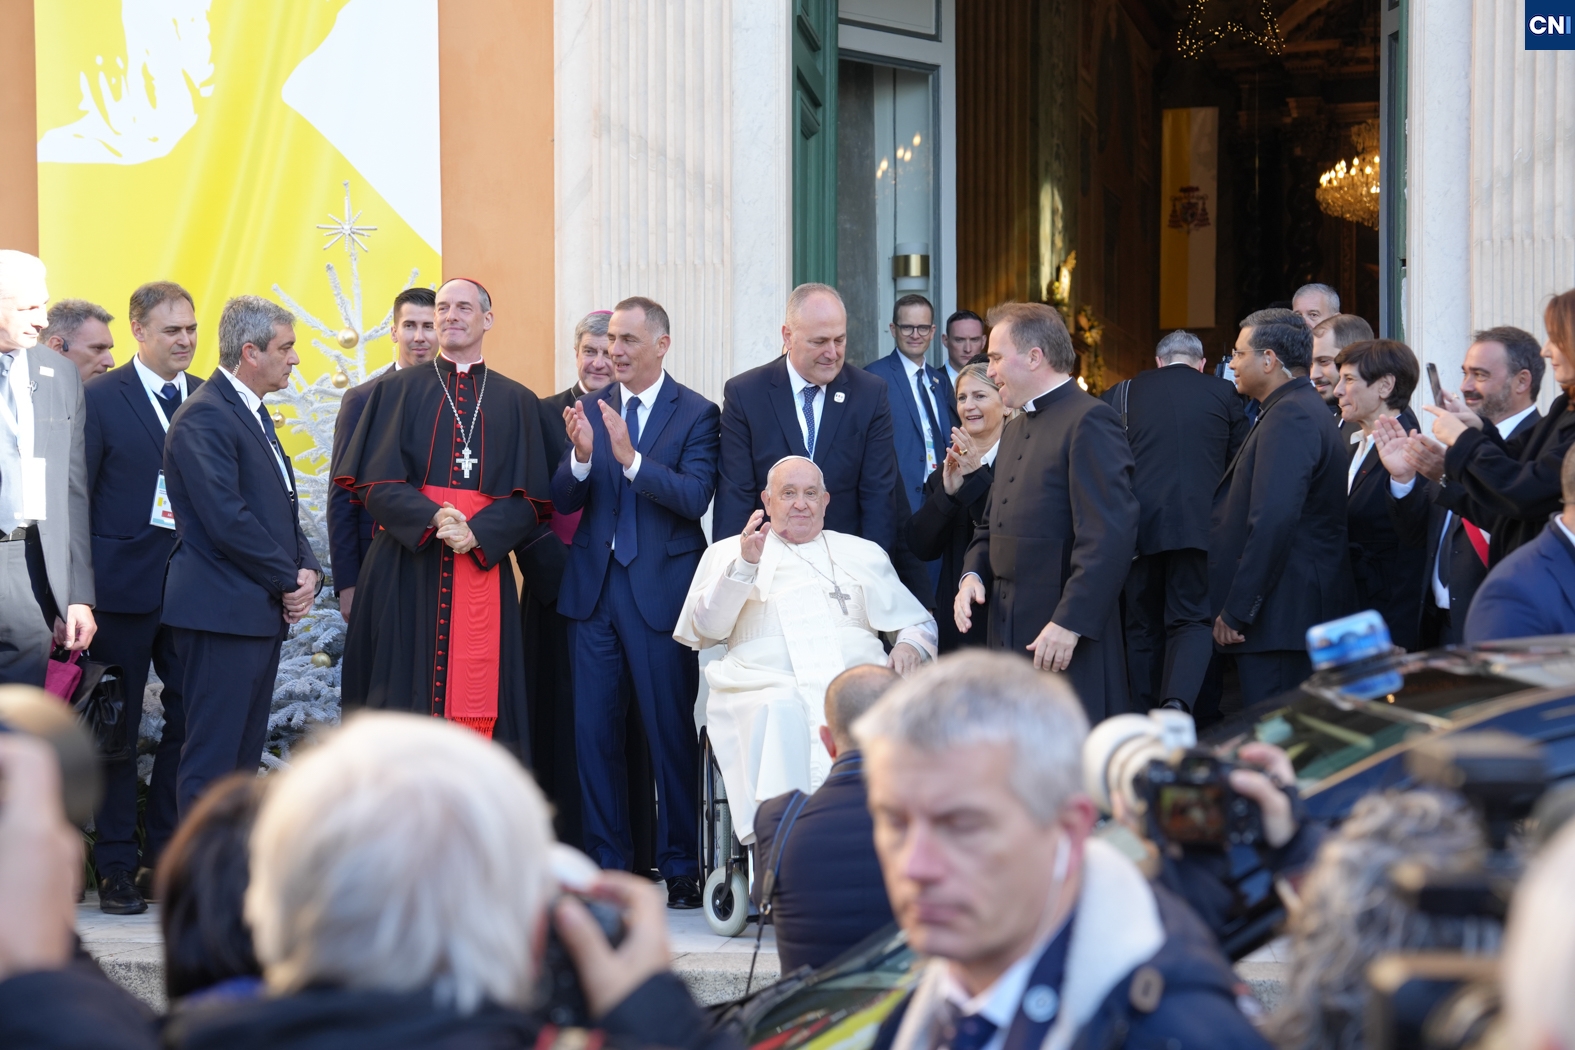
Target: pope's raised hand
{"x": 617, "y": 435}
{"x": 753, "y": 540}
{"x": 580, "y": 434}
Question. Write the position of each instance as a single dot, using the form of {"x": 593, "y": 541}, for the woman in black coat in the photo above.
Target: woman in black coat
{"x": 1377, "y": 377}
{"x": 954, "y": 497}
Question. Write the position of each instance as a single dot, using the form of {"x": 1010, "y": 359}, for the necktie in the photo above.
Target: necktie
{"x": 170, "y": 392}
{"x": 10, "y": 449}
{"x": 936, "y": 442}
{"x": 273, "y": 441}
{"x": 967, "y": 1032}
{"x": 626, "y": 541}
{"x": 809, "y": 419}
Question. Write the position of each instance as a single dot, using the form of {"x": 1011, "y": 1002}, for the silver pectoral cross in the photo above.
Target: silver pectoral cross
{"x": 466, "y": 461}
{"x": 837, "y": 596}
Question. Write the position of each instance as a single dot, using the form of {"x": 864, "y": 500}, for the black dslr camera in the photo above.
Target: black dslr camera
{"x": 560, "y": 995}
{"x": 1191, "y": 803}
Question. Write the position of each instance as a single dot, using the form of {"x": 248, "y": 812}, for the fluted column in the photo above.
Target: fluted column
{"x": 673, "y": 174}
{"x": 1522, "y": 173}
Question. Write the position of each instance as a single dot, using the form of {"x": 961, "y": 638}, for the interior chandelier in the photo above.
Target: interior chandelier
{"x": 1349, "y": 191}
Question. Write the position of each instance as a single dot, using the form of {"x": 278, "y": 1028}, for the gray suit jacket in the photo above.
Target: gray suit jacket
{"x": 59, "y": 418}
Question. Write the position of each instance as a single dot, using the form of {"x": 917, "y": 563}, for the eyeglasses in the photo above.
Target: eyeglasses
{"x": 915, "y": 329}
{"x": 1243, "y": 353}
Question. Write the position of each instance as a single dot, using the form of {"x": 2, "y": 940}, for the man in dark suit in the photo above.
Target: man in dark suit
{"x": 805, "y": 403}
{"x": 414, "y": 332}
{"x": 923, "y": 406}
{"x": 815, "y": 854}
{"x": 46, "y": 553}
{"x": 1278, "y": 561}
{"x": 128, "y": 411}
{"x": 1531, "y": 593}
{"x": 642, "y": 468}
{"x": 1500, "y": 380}
{"x": 1184, "y": 427}
{"x": 1060, "y": 526}
{"x": 242, "y": 570}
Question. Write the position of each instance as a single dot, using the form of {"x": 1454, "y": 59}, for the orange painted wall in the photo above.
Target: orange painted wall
{"x": 18, "y": 129}
{"x": 495, "y": 86}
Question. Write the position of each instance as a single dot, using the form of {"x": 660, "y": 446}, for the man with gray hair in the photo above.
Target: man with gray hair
{"x": 1314, "y": 302}
{"x": 242, "y": 570}
{"x": 1032, "y": 926}
{"x": 1184, "y": 426}
{"x": 79, "y": 331}
{"x": 46, "y": 553}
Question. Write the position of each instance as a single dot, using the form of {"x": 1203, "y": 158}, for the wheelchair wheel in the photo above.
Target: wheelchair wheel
{"x": 726, "y": 902}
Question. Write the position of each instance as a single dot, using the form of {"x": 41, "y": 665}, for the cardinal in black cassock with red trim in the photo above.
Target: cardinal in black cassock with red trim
{"x": 449, "y": 460}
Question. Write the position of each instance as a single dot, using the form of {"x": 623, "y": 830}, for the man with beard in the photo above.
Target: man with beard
{"x": 448, "y": 459}
{"x": 1330, "y": 336}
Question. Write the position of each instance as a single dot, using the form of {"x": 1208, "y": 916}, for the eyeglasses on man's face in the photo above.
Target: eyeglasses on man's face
{"x": 915, "y": 329}
{"x": 1234, "y": 354}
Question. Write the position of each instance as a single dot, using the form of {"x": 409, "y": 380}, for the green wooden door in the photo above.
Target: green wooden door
{"x": 1393, "y": 86}
{"x": 815, "y": 141}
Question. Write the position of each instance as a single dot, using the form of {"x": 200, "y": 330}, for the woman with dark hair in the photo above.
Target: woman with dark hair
{"x": 1377, "y": 377}
{"x": 202, "y": 880}
{"x": 954, "y": 496}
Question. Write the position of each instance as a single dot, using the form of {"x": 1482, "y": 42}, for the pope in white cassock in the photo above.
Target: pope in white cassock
{"x": 797, "y": 605}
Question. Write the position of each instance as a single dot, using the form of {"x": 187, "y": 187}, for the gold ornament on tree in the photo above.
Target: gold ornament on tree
{"x": 322, "y": 660}
{"x": 278, "y": 418}
{"x": 348, "y": 337}
{"x": 341, "y": 379}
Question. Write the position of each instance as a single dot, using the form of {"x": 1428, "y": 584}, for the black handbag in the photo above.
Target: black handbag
{"x": 100, "y": 705}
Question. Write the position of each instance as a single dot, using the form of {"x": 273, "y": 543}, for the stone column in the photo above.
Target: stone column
{"x": 673, "y": 174}
{"x": 1522, "y": 174}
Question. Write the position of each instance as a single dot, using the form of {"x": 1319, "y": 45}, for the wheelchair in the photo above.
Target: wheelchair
{"x": 724, "y": 861}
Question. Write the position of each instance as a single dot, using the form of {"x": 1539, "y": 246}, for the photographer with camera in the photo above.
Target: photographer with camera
{"x": 1210, "y": 828}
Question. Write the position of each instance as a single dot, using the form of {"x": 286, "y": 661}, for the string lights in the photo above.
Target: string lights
{"x": 1197, "y": 36}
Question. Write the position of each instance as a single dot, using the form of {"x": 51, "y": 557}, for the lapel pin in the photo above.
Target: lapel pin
{"x": 840, "y": 397}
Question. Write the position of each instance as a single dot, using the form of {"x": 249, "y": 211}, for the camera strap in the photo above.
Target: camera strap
{"x": 768, "y": 878}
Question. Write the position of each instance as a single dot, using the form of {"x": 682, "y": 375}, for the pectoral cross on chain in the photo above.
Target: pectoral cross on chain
{"x": 837, "y": 596}
{"x": 466, "y": 461}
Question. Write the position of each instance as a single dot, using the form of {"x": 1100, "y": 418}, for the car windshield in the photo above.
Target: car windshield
{"x": 1340, "y": 717}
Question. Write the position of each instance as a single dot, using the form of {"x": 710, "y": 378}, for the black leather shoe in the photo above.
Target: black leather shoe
{"x": 1174, "y": 705}
{"x": 117, "y": 895}
{"x": 145, "y": 884}
{"x": 683, "y": 893}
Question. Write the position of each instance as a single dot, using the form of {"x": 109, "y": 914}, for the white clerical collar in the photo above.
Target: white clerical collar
{"x": 1033, "y": 405}
{"x": 988, "y": 459}
{"x": 248, "y": 395}
{"x": 647, "y": 396}
{"x": 1507, "y": 425}
{"x": 462, "y": 366}
{"x": 798, "y": 382}
{"x": 153, "y": 382}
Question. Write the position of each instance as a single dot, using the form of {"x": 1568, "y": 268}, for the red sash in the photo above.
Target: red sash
{"x": 1479, "y": 542}
{"x": 474, "y": 619}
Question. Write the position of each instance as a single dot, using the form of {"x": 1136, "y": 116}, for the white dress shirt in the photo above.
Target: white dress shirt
{"x": 914, "y": 371}
{"x": 998, "y": 1003}
{"x": 153, "y": 383}
{"x": 21, "y": 384}
{"x": 647, "y": 397}
{"x": 253, "y": 403}
{"x": 1364, "y": 444}
{"x": 798, "y": 384}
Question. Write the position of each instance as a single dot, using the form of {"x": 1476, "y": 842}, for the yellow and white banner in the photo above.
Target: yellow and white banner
{"x": 209, "y": 142}
{"x": 1189, "y": 177}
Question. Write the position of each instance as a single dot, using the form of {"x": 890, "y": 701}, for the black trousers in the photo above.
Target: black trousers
{"x": 133, "y": 641}
{"x": 228, "y": 689}
{"x": 1265, "y": 675}
{"x": 27, "y": 612}
{"x": 1169, "y": 630}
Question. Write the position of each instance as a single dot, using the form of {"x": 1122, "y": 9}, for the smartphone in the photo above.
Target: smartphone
{"x": 1438, "y": 388}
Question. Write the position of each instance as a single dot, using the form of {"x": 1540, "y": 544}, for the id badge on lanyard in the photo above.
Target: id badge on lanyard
{"x": 163, "y": 514}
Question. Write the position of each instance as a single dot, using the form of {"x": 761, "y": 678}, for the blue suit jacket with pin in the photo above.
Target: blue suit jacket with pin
{"x": 907, "y": 429}
{"x": 678, "y": 463}
{"x": 125, "y": 452}
{"x": 1529, "y": 594}
{"x": 760, "y": 425}
{"x": 239, "y": 544}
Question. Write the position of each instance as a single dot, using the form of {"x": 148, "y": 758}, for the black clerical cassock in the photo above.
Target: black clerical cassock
{"x": 434, "y": 632}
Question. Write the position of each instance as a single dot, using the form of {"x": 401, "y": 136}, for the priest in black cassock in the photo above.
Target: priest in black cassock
{"x": 449, "y": 461}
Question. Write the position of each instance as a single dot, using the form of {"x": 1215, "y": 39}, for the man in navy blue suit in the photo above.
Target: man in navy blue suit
{"x": 242, "y": 570}
{"x": 1532, "y": 591}
{"x": 414, "y": 333}
{"x": 128, "y": 411}
{"x": 642, "y": 469}
{"x": 923, "y": 405}
{"x": 805, "y": 403}
{"x": 815, "y": 854}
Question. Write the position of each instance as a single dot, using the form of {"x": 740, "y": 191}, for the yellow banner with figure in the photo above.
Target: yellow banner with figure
{"x": 1189, "y": 176}
{"x": 242, "y": 146}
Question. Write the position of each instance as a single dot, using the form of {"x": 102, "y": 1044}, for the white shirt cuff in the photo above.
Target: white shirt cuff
{"x": 1399, "y": 491}
{"x": 742, "y": 570}
{"x": 921, "y": 636}
{"x": 633, "y": 468}
{"x": 581, "y": 471}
